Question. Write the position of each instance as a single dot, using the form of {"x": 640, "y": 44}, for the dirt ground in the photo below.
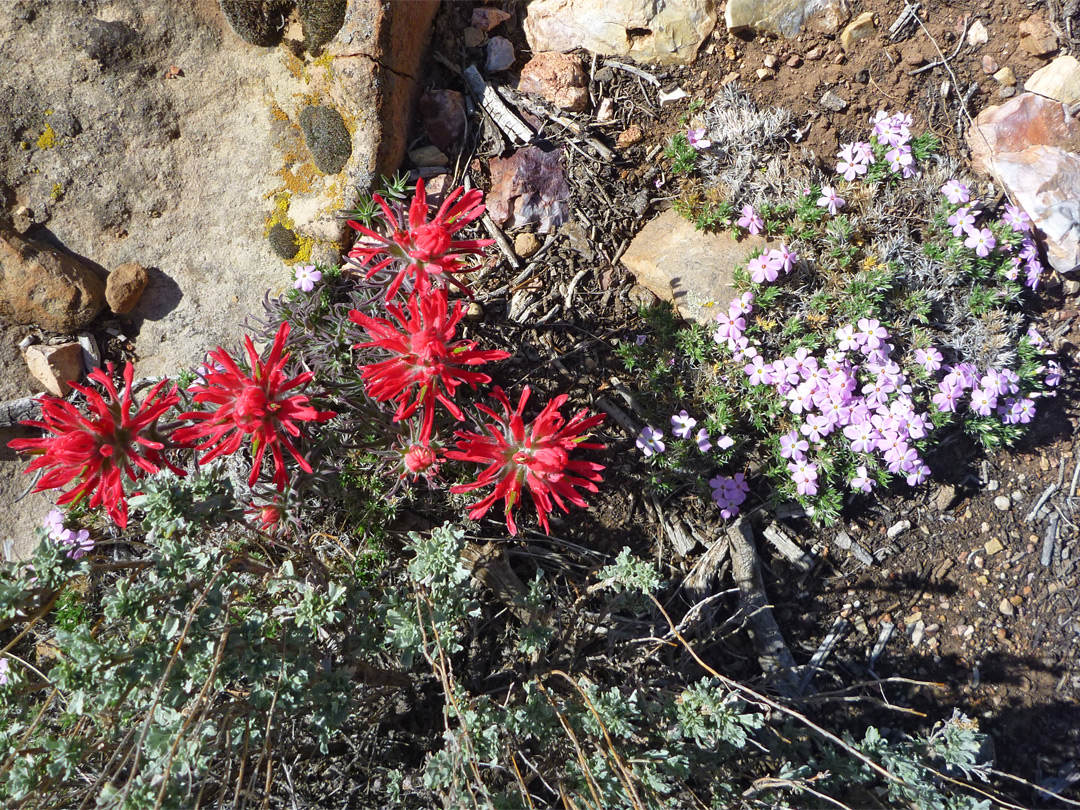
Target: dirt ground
{"x": 980, "y": 613}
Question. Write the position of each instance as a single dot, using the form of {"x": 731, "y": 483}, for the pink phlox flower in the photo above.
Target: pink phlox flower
{"x": 729, "y": 493}
{"x": 956, "y": 192}
{"x": 863, "y": 152}
{"x": 983, "y": 402}
{"x": 833, "y": 358}
{"x": 728, "y": 327}
{"x": 918, "y": 473}
{"x": 981, "y": 240}
{"x": 1001, "y": 382}
{"x": 846, "y": 337}
{"x": 4, "y": 671}
{"x": 929, "y": 359}
{"x": 306, "y": 277}
{"x": 961, "y": 221}
{"x": 871, "y": 333}
{"x": 862, "y": 482}
{"x": 830, "y": 199}
{"x": 702, "y": 439}
{"x": 1033, "y": 274}
{"x": 1053, "y": 374}
{"x": 783, "y": 259}
{"x": 863, "y": 437}
{"x": 1016, "y": 218}
{"x": 1027, "y": 410}
{"x": 816, "y": 427}
{"x": 792, "y": 446}
{"x": 804, "y": 474}
{"x": 743, "y": 305}
{"x": 1037, "y": 340}
{"x": 1013, "y": 270}
{"x": 762, "y": 270}
{"x": 851, "y": 165}
{"x": 895, "y": 130}
{"x": 640, "y": 340}
{"x": 901, "y": 161}
{"x": 725, "y": 442}
{"x": 697, "y": 139}
{"x": 750, "y": 220}
{"x": 650, "y": 442}
{"x": 682, "y": 424}
{"x": 1028, "y": 249}
{"x": 759, "y": 372}
{"x": 801, "y": 398}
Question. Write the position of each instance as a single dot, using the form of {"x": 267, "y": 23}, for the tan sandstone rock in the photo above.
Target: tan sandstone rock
{"x": 124, "y": 287}
{"x": 42, "y": 286}
{"x": 786, "y": 17}
{"x": 55, "y": 366}
{"x": 663, "y": 32}
{"x": 862, "y": 27}
{"x": 1060, "y": 80}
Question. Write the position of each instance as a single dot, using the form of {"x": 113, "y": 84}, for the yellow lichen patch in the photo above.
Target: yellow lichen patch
{"x": 280, "y": 216}
{"x": 57, "y": 192}
{"x": 47, "y": 139}
{"x": 277, "y": 113}
{"x": 303, "y": 253}
{"x": 294, "y": 65}
{"x": 297, "y": 179}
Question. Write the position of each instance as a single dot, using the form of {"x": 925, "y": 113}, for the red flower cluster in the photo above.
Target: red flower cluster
{"x": 536, "y": 456}
{"x": 424, "y": 249}
{"x": 99, "y": 449}
{"x": 255, "y": 405}
{"x": 427, "y": 364}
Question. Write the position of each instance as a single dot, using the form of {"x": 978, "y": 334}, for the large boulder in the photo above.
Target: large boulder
{"x": 1031, "y": 147}
{"x": 663, "y": 32}
{"x": 39, "y": 285}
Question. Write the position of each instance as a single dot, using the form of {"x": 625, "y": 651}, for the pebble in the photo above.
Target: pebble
{"x": 992, "y": 485}
{"x": 1006, "y": 608}
{"x": 898, "y": 528}
{"x": 1071, "y": 287}
{"x": 946, "y": 494}
{"x": 989, "y": 65}
{"x": 500, "y": 55}
{"x": 977, "y": 34}
{"x": 1005, "y": 76}
{"x": 814, "y": 54}
{"x": 993, "y": 546}
{"x": 794, "y": 61}
{"x": 1002, "y": 503}
{"x": 770, "y": 61}
{"x": 764, "y": 74}
{"x": 917, "y": 633}
{"x": 526, "y": 244}
{"x": 830, "y": 101}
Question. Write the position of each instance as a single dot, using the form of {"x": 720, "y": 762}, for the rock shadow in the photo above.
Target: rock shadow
{"x": 162, "y": 296}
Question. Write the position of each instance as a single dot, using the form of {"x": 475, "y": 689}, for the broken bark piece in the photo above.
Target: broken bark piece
{"x": 515, "y": 129}
{"x": 788, "y": 547}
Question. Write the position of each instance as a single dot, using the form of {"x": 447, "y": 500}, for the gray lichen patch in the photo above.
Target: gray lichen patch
{"x": 321, "y": 19}
{"x": 327, "y": 138}
{"x": 283, "y": 241}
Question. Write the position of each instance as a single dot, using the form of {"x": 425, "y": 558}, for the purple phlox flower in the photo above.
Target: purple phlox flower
{"x": 725, "y": 442}
{"x": 728, "y": 327}
{"x": 1016, "y": 218}
{"x": 863, "y": 437}
{"x": 871, "y": 333}
{"x": 967, "y": 373}
{"x": 742, "y": 349}
{"x": 1036, "y": 338}
{"x": 801, "y": 398}
{"x": 793, "y": 447}
{"x": 901, "y": 160}
{"x": 750, "y": 220}
{"x": 783, "y": 259}
{"x": 729, "y": 493}
{"x": 682, "y": 424}
{"x": 762, "y": 270}
{"x": 640, "y": 339}
{"x": 816, "y": 427}
{"x": 948, "y": 396}
{"x": 1028, "y": 249}
{"x": 702, "y": 439}
{"x": 918, "y": 474}
{"x": 3, "y": 671}
{"x": 77, "y": 541}
{"x": 956, "y": 192}
{"x": 697, "y": 139}
{"x": 1053, "y": 373}
{"x": 983, "y": 402}
{"x": 862, "y": 482}
{"x": 961, "y": 220}
{"x": 650, "y": 441}
{"x": 895, "y": 130}
{"x": 833, "y": 358}
{"x": 851, "y": 165}
{"x": 759, "y": 372}
{"x": 930, "y": 359}
{"x": 981, "y": 240}
{"x": 830, "y": 199}
{"x": 804, "y": 474}
{"x": 784, "y": 372}
{"x": 863, "y": 152}
{"x": 1033, "y": 273}
{"x": 1002, "y": 382}
{"x": 1013, "y": 270}
{"x": 743, "y": 305}
{"x": 306, "y": 277}
{"x": 1026, "y": 409}
{"x": 845, "y": 336}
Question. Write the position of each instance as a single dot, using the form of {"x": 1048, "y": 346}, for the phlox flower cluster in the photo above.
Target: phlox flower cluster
{"x": 894, "y": 131}
{"x": 651, "y": 441}
{"x": 965, "y": 222}
{"x": 698, "y": 138}
{"x": 76, "y": 541}
{"x": 729, "y": 493}
{"x": 767, "y": 267}
{"x": 996, "y": 392}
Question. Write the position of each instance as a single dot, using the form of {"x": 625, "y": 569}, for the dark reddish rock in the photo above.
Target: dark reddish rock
{"x": 558, "y": 78}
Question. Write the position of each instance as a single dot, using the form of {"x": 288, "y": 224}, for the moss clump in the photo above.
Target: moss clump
{"x": 47, "y": 139}
{"x": 322, "y": 19}
{"x": 327, "y": 138}
{"x": 258, "y": 22}
{"x": 283, "y": 241}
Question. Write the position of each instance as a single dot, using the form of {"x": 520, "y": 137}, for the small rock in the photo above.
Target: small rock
{"x": 40, "y": 285}
{"x": 794, "y": 61}
{"x": 917, "y": 633}
{"x": 474, "y": 311}
{"x": 1006, "y": 608}
{"x": 1016, "y": 600}
{"x": 1059, "y": 80}
{"x": 993, "y": 546}
{"x": 124, "y": 287}
{"x": 898, "y": 528}
{"x": 944, "y": 497}
{"x": 629, "y": 136}
{"x": 764, "y": 74}
{"x": 830, "y": 101}
{"x": 1006, "y": 92}
{"x": 770, "y": 61}
{"x": 473, "y": 37}
{"x": 91, "y": 356}
{"x": 977, "y": 34}
{"x": 814, "y": 54}
{"x": 1002, "y": 503}
{"x": 1036, "y": 36}
{"x": 641, "y": 296}
{"x": 427, "y": 156}
{"x": 666, "y": 97}
{"x": 606, "y": 110}
{"x": 859, "y": 28}
{"x": 1071, "y": 287}
{"x": 860, "y": 625}
{"x": 22, "y": 219}
{"x": 1005, "y": 76}
{"x": 442, "y": 112}
{"x": 500, "y": 55}
{"x": 989, "y": 65}
{"x": 486, "y": 19}
{"x": 839, "y": 59}
{"x": 993, "y": 485}
{"x": 55, "y": 366}
{"x": 558, "y": 78}
{"x": 526, "y": 244}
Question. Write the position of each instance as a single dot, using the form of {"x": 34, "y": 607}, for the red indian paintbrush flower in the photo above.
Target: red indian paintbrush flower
{"x": 98, "y": 450}
{"x": 254, "y": 404}
{"x": 536, "y": 456}
{"x": 428, "y": 365}
{"x": 424, "y": 249}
